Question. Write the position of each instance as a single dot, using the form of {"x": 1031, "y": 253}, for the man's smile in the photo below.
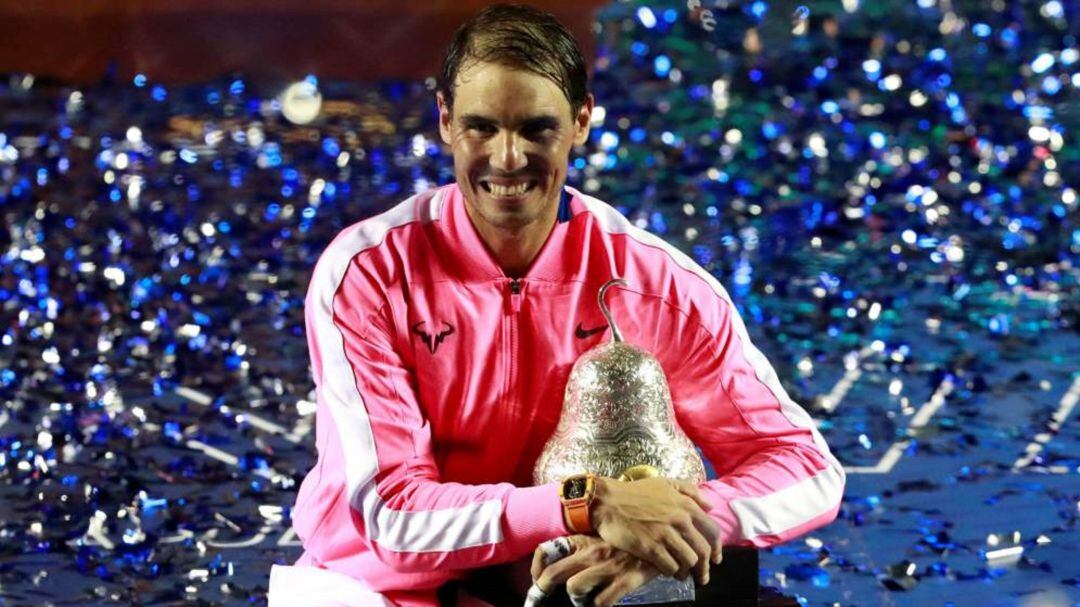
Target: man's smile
{"x": 508, "y": 189}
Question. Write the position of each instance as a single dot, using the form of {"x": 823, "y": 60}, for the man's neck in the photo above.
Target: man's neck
{"x": 515, "y": 249}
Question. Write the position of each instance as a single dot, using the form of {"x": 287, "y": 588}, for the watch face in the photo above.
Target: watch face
{"x": 575, "y": 488}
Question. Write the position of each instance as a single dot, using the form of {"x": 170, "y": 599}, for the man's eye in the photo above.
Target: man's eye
{"x": 483, "y": 129}
{"x": 538, "y": 132}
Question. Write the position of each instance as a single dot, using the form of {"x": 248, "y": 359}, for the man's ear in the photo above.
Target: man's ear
{"x": 444, "y": 118}
{"x": 582, "y": 120}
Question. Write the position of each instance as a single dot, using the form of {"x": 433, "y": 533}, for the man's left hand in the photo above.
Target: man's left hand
{"x": 595, "y": 569}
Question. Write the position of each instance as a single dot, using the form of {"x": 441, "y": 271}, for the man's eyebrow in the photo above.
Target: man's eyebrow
{"x": 544, "y": 121}
{"x": 477, "y": 120}
{"x": 538, "y": 123}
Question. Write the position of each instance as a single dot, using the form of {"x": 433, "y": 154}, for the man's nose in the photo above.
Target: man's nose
{"x": 509, "y": 153}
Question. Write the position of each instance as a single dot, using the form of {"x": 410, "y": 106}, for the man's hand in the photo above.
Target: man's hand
{"x": 594, "y": 568}
{"x": 660, "y": 521}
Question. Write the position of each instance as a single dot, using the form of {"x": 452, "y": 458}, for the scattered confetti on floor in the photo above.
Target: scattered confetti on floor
{"x": 888, "y": 190}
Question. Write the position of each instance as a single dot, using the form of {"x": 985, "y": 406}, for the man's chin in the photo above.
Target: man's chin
{"x": 501, "y": 215}
{"x": 509, "y": 220}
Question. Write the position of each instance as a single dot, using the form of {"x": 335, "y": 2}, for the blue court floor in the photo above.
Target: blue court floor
{"x": 887, "y": 189}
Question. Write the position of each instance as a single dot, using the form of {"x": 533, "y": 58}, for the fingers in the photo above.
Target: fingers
{"x": 618, "y": 589}
{"x": 702, "y": 521}
{"x": 711, "y": 532}
{"x": 560, "y": 571}
{"x": 583, "y": 583}
{"x": 658, "y": 556}
{"x": 552, "y": 550}
{"x": 556, "y": 549}
{"x": 683, "y": 552}
{"x": 594, "y": 571}
{"x": 623, "y": 584}
{"x": 535, "y": 596}
{"x": 702, "y": 552}
{"x": 537, "y": 563}
{"x": 547, "y": 554}
{"x": 701, "y": 572}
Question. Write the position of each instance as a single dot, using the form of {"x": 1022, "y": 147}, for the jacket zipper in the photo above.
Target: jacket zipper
{"x": 516, "y": 296}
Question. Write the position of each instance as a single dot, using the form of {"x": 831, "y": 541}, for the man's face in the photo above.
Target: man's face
{"x": 511, "y": 132}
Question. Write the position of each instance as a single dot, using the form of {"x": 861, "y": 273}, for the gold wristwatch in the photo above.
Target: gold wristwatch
{"x": 576, "y": 494}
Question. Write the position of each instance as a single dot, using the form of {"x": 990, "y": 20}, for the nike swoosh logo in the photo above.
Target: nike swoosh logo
{"x": 581, "y": 333}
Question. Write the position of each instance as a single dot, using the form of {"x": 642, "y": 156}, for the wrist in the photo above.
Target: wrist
{"x": 600, "y": 492}
{"x": 576, "y": 494}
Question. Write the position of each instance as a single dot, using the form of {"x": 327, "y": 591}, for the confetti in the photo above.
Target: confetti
{"x": 887, "y": 191}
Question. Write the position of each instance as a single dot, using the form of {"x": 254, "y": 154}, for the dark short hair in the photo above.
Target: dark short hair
{"x": 522, "y": 37}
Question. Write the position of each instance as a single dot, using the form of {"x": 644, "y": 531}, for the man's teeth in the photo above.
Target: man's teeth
{"x": 512, "y": 190}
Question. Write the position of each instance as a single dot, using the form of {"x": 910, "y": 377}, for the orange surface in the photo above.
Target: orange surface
{"x": 192, "y": 40}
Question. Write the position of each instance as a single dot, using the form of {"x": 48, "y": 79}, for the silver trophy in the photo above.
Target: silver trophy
{"x": 618, "y": 421}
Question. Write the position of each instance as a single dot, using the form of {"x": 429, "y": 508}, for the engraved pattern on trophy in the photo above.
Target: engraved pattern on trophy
{"x": 617, "y": 414}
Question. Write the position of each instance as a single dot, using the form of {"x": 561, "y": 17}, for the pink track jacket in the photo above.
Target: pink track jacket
{"x": 439, "y": 380}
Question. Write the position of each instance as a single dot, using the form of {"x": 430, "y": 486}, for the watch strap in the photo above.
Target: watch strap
{"x": 578, "y": 513}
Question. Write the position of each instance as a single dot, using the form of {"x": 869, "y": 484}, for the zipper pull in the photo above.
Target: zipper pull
{"x": 515, "y": 295}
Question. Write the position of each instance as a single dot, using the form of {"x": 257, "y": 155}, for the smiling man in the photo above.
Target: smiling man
{"x": 511, "y": 132}
{"x": 442, "y": 334}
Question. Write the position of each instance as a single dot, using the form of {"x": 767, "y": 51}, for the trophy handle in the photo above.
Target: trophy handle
{"x": 616, "y": 335}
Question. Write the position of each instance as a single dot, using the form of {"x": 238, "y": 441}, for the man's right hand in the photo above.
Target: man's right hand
{"x": 660, "y": 521}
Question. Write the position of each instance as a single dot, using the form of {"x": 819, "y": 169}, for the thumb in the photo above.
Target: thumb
{"x": 537, "y": 566}
{"x": 577, "y": 542}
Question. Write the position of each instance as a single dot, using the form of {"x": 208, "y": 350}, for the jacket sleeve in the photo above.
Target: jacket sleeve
{"x": 376, "y": 444}
{"x": 776, "y": 478}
